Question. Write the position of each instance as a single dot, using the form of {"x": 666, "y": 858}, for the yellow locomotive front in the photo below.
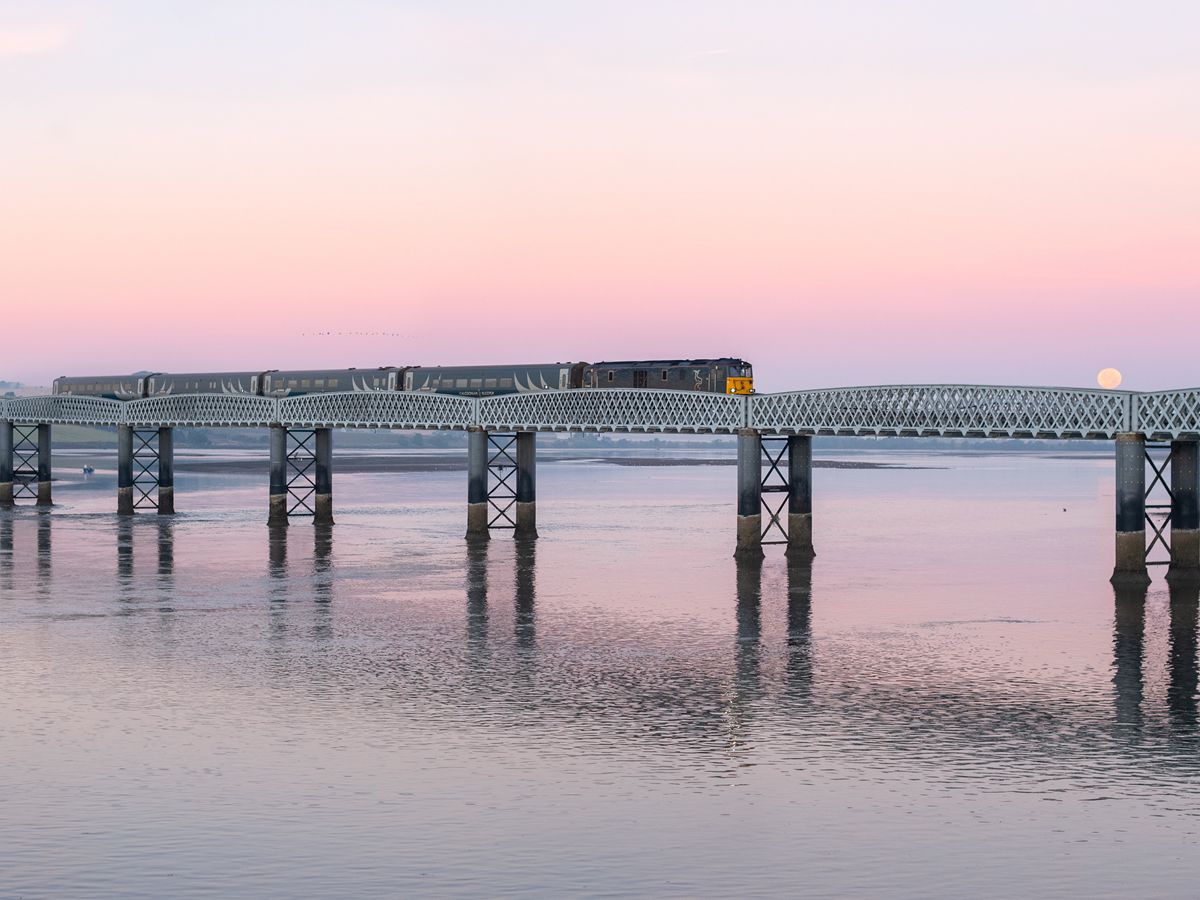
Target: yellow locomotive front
{"x": 740, "y": 378}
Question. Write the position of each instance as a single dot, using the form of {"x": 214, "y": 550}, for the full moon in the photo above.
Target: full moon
{"x": 1109, "y": 379}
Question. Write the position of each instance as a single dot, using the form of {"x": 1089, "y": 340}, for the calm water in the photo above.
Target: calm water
{"x": 949, "y": 702}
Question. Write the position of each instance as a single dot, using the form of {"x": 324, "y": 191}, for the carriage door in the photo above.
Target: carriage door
{"x": 639, "y": 378}
{"x": 391, "y": 381}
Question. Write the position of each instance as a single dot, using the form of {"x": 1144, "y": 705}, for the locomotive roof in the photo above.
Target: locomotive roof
{"x": 671, "y": 362}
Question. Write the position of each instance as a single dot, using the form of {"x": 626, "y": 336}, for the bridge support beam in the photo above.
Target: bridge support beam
{"x": 1130, "y": 563}
{"x": 44, "y": 497}
{"x": 6, "y": 464}
{"x": 1185, "y": 510}
{"x": 166, "y": 471}
{"x": 323, "y": 500}
{"x": 125, "y": 470}
{"x": 477, "y": 484}
{"x": 278, "y": 510}
{"x": 749, "y": 501}
{"x": 800, "y": 527}
{"x": 526, "y": 485}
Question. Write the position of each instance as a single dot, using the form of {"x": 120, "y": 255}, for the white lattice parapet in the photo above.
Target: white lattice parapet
{"x": 1172, "y": 414}
{"x": 63, "y": 409}
{"x": 377, "y": 409}
{"x": 614, "y": 409}
{"x": 946, "y": 410}
{"x": 201, "y": 410}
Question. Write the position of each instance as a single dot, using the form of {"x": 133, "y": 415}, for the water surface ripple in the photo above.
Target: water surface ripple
{"x": 949, "y": 701}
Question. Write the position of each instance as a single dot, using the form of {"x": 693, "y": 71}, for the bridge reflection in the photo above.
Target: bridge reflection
{"x": 622, "y": 673}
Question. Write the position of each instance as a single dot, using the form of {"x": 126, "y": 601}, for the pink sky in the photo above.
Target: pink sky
{"x": 870, "y": 195}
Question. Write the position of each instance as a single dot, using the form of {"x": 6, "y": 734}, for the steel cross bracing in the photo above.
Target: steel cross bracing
{"x": 1159, "y": 499}
{"x": 502, "y": 480}
{"x": 145, "y": 468}
{"x": 301, "y": 471}
{"x": 25, "y": 461}
{"x": 775, "y": 488}
{"x": 933, "y": 410}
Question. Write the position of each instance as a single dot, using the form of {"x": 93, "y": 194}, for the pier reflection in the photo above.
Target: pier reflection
{"x": 747, "y": 656}
{"x": 1181, "y": 692}
{"x": 166, "y": 554}
{"x": 799, "y": 623}
{"x": 323, "y": 581}
{"x": 525, "y": 592}
{"x": 1129, "y": 625}
{"x": 6, "y": 550}
{"x": 288, "y": 582}
{"x": 477, "y": 596}
{"x": 125, "y": 550}
{"x": 45, "y": 563}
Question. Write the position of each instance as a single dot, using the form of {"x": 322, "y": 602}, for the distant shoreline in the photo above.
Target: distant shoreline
{"x": 454, "y": 461}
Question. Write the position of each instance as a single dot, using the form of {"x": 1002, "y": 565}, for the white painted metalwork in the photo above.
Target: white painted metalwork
{"x": 63, "y": 409}
{"x": 615, "y": 409}
{"x": 1168, "y": 414}
{"x": 200, "y": 410}
{"x": 945, "y": 410}
{"x": 377, "y": 409}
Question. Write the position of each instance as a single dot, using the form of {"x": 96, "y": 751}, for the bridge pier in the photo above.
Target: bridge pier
{"x": 749, "y": 502}
{"x": 1130, "y": 565}
{"x": 277, "y": 514}
{"x": 477, "y": 484}
{"x": 6, "y": 464}
{"x": 323, "y": 501}
{"x": 526, "y": 485}
{"x": 166, "y": 471}
{"x": 1185, "y": 510}
{"x": 43, "y": 467}
{"x": 800, "y": 527}
{"x": 125, "y": 470}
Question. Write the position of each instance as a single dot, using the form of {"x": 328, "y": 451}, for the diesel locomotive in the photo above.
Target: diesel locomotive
{"x": 715, "y": 376}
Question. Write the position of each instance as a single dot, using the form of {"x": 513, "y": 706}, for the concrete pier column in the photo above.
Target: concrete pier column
{"x": 1185, "y": 510}
{"x": 1131, "y": 509}
{"x": 749, "y": 500}
{"x": 323, "y": 501}
{"x": 125, "y": 470}
{"x": 166, "y": 471}
{"x": 477, "y": 483}
{"x": 44, "y": 473}
{"x": 526, "y": 484}
{"x": 800, "y": 496}
{"x": 277, "y": 514}
{"x": 6, "y": 464}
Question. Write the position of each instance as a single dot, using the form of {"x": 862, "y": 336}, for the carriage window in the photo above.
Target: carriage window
{"x": 476, "y": 382}
{"x": 506, "y": 382}
{"x": 610, "y": 374}
{"x": 291, "y": 384}
{"x": 303, "y": 382}
{"x": 489, "y": 382}
{"x": 319, "y": 382}
{"x": 664, "y": 374}
{"x": 332, "y": 383}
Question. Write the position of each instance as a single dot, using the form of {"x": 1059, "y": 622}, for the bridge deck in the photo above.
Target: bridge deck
{"x": 931, "y": 410}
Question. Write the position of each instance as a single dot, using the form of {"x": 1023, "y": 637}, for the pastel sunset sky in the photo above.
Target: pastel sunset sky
{"x": 840, "y": 192}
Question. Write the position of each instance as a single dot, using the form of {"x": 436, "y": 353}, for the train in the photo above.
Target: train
{"x": 715, "y": 376}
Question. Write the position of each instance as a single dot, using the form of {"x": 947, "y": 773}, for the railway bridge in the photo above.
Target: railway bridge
{"x": 1156, "y": 437}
